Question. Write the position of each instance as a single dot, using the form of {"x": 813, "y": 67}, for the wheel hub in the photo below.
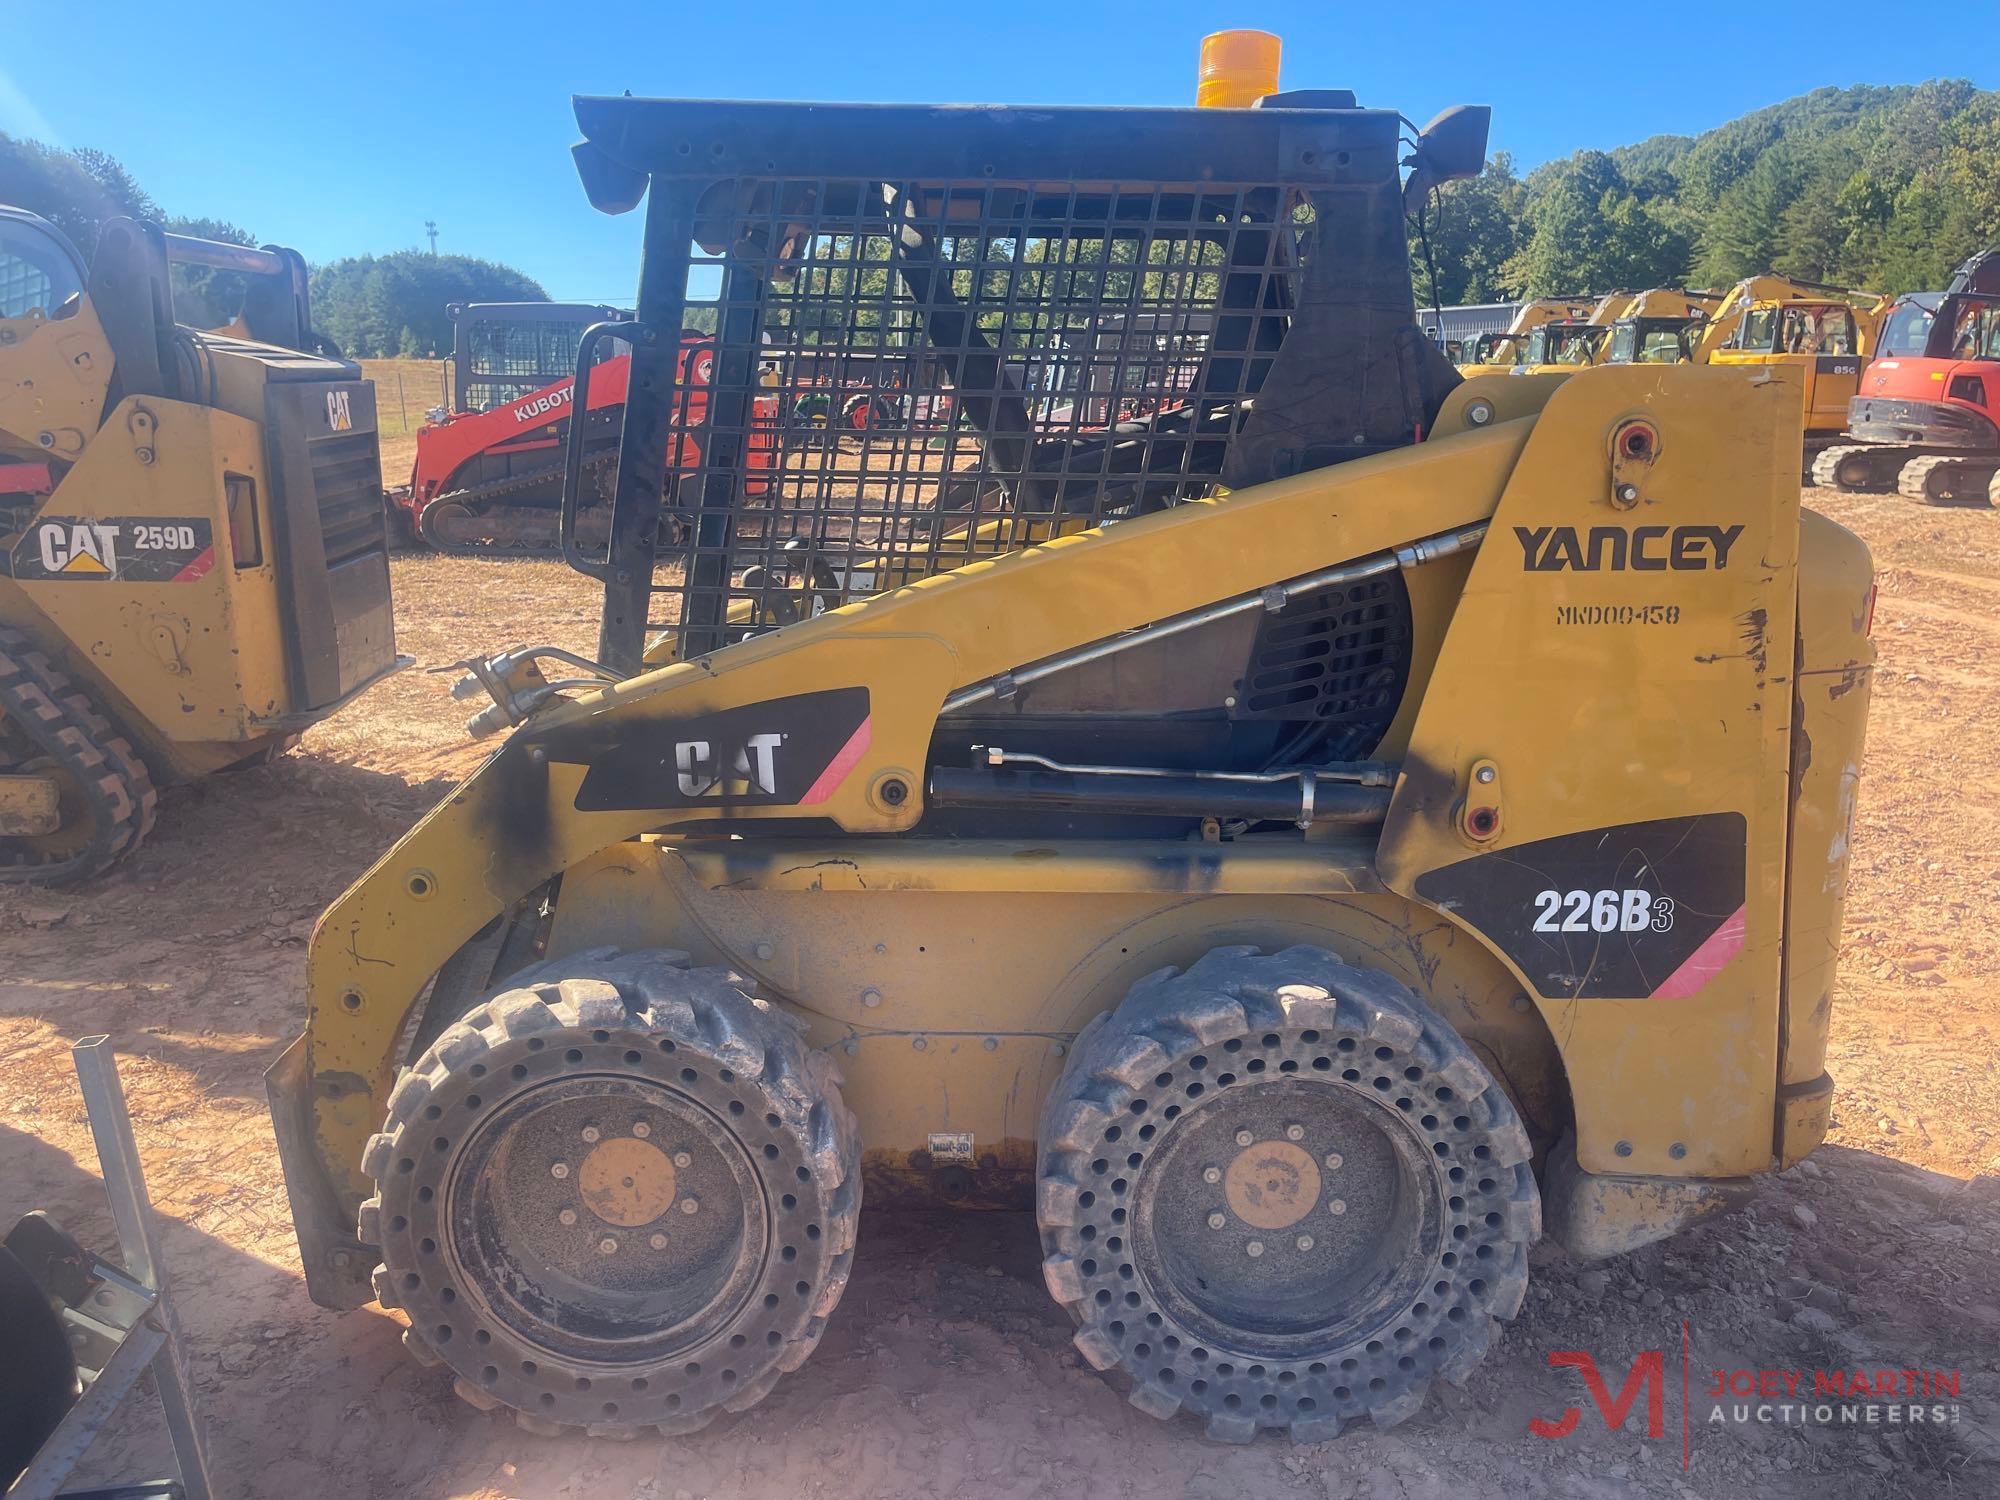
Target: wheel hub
{"x": 1278, "y": 1211}
{"x": 627, "y": 1181}
{"x": 1271, "y": 1184}
{"x": 583, "y": 1235}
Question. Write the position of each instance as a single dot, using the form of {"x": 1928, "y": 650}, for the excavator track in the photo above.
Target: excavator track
{"x": 51, "y": 725}
{"x": 1857, "y": 468}
{"x": 452, "y": 525}
{"x": 1939, "y": 479}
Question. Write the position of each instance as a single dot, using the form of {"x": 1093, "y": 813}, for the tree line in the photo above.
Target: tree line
{"x": 370, "y": 305}
{"x": 1887, "y": 188}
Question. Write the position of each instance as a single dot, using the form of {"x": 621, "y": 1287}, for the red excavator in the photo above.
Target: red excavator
{"x": 1928, "y": 424}
{"x": 490, "y": 481}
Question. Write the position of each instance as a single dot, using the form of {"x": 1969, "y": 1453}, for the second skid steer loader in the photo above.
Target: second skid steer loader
{"x": 1297, "y": 823}
{"x": 193, "y": 562}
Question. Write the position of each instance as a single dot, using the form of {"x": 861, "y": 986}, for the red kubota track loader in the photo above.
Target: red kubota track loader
{"x": 490, "y": 481}
{"x": 1928, "y": 424}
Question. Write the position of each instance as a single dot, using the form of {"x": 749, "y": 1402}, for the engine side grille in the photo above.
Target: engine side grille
{"x": 1336, "y": 659}
{"x": 347, "y": 489}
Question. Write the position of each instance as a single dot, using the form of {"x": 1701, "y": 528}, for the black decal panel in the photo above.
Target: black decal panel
{"x": 97, "y": 549}
{"x": 1639, "y": 910}
{"x": 770, "y": 753}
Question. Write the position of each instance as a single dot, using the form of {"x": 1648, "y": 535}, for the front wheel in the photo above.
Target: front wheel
{"x": 1280, "y": 1191}
{"x": 621, "y": 1194}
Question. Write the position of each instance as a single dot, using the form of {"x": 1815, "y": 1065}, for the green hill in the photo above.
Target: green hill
{"x": 1881, "y": 187}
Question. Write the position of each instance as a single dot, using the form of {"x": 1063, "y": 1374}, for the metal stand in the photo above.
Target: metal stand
{"x": 127, "y": 1324}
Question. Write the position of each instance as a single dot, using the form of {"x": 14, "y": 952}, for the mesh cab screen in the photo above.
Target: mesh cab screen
{"x": 878, "y": 342}
{"x": 947, "y": 374}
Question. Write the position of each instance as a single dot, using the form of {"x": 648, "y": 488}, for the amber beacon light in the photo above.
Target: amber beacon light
{"x": 1237, "y": 69}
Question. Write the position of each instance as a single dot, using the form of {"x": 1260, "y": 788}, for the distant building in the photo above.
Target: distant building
{"x": 1451, "y": 326}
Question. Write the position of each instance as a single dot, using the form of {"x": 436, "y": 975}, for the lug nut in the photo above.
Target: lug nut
{"x": 1245, "y": 1138}
{"x": 1333, "y": 1160}
{"x": 590, "y": 1132}
{"x": 1216, "y": 1221}
{"x": 682, "y": 1159}
{"x": 607, "y": 1246}
{"x": 1295, "y": 1132}
{"x": 1304, "y": 1242}
{"x": 567, "y": 1216}
{"x": 689, "y": 1206}
{"x": 1337, "y": 1206}
{"x": 1254, "y": 1249}
{"x": 560, "y": 1169}
{"x": 641, "y": 1129}
{"x": 658, "y": 1242}
{"x": 1211, "y": 1174}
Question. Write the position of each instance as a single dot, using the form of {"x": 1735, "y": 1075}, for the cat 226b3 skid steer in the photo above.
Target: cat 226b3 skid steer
{"x": 1296, "y": 822}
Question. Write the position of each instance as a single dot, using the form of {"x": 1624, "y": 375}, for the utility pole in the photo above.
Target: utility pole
{"x": 431, "y": 229}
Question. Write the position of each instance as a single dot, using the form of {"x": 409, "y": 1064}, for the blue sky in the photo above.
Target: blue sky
{"x": 341, "y": 126}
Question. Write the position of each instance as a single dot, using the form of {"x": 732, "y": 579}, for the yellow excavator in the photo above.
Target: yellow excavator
{"x": 1498, "y": 353}
{"x": 1659, "y": 326}
{"x": 1825, "y": 332}
{"x": 1571, "y": 343}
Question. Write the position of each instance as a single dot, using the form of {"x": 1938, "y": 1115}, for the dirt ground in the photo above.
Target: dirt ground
{"x": 947, "y": 1371}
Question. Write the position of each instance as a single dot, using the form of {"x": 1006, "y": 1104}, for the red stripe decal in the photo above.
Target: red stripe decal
{"x": 837, "y": 768}
{"x": 25, "y": 479}
{"x": 1706, "y": 961}
{"x": 203, "y": 561}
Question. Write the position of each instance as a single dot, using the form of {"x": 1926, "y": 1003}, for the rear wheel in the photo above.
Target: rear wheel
{"x": 621, "y": 1194}
{"x": 1279, "y": 1191}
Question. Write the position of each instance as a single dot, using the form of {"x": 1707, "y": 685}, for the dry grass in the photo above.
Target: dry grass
{"x": 404, "y": 390}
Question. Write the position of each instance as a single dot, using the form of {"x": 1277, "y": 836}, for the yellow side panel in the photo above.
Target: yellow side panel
{"x": 1836, "y": 664}
{"x": 1829, "y": 381}
{"x": 137, "y": 577}
{"x": 53, "y": 376}
{"x": 1596, "y": 783}
{"x": 949, "y": 1010}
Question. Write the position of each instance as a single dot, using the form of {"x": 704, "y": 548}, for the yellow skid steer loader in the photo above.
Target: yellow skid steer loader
{"x": 1297, "y": 823}
{"x": 193, "y": 560}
